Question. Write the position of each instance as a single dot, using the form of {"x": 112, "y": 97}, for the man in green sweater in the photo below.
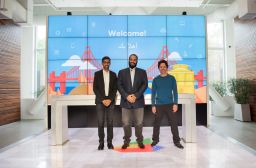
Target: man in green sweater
{"x": 165, "y": 102}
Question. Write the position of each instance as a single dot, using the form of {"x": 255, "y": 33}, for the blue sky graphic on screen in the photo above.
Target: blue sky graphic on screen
{"x": 76, "y": 45}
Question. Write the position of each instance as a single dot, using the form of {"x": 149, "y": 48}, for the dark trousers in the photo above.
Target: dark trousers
{"x": 162, "y": 110}
{"x": 103, "y": 111}
{"x": 137, "y": 115}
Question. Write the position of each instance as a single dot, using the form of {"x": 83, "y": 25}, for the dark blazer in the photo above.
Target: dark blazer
{"x": 99, "y": 89}
{"x": 139, "y": 86}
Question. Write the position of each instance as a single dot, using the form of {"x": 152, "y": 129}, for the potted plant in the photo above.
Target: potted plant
{"x": 220, "y": 103}
{"x": 220, "y": 87}
{"x": 241, "y": 89}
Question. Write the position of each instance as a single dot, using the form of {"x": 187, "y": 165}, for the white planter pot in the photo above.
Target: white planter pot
{"x": 231, "y": 101}
{"x": 217, "y": 109}
{"x": 242, "y": 112}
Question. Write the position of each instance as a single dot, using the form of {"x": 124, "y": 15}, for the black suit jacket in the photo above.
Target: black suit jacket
{"x": 99, "y": 88}
{"x": 125, "y": 87}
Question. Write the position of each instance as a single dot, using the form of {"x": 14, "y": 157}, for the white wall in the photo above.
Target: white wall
{"x": 31, "y": 107}
{"x": 40, "y": 20}
{"x": 230, "y": 57}
{"x": 27, "y": 62}
{"x": 227, "y": 15}
{"x": 27, "y": 70}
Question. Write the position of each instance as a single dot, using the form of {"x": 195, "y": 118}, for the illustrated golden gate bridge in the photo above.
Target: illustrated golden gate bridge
{"x": 86, "y": 75}
{"x": 75, "y": 73}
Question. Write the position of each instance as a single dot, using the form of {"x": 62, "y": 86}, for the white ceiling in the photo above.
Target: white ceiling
{"x": 144, "y": 7}
{"x": 125, "y": 3}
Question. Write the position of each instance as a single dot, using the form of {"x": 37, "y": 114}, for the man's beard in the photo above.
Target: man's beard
{"x": 106, "y": 67}
{"x": 132, "y": 66}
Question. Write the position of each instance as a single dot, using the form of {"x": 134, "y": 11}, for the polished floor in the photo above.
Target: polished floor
{"x": 16, "y": 132}
{"x": 242, "y": 132}
{"x": 211, "y": 150}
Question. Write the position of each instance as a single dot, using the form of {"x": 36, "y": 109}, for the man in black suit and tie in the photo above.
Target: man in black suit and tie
{"x": 105, "y": 88}
{"x": 132, "y": 83}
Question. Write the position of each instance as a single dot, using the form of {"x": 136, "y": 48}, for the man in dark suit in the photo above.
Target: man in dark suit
{"x": 105, "y": 88}
{"x": 132, "y": 83}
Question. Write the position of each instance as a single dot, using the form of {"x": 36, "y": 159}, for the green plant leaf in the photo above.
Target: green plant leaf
{"x": 241, "y": 89}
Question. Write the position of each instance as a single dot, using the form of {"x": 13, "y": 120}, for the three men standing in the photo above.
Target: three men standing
{"x": 105, "y": 88}
{"x": 132, "y": 83}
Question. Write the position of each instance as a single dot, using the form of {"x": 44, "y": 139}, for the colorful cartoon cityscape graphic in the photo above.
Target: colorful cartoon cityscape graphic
{"x": 185, "y": 77}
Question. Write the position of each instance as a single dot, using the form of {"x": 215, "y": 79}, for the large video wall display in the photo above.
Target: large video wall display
{"x": 76, "y": 45}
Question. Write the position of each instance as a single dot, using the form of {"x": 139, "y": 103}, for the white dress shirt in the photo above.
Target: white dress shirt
{"x": 106, "y": 81}
{"x": 132, "y": 72}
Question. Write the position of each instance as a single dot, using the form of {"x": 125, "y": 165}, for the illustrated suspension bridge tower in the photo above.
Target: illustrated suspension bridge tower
{"x": 153, "y": 71}
{"x": 93, "y": 64}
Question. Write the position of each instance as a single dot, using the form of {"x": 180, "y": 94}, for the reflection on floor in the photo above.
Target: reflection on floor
{"x": 17, "y": 131}
{"x": 211, "y": 150}
{"x": 243, "y": 132}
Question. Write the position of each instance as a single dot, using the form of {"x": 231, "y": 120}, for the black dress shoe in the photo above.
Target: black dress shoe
{"x": 110, "y": 146}
{"x": 141, "y": 145}
{"x": 101, "y": 146}
{"x": 154, "y": 143}
{"x": 125, "y": 145}
{"x": 178, "y": 145}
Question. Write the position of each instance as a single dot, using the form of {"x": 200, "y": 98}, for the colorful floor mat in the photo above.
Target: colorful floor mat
{"x": 133, "y": 147}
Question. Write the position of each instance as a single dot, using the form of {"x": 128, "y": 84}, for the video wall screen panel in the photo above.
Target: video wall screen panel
{"x": 67, "y": 26}
{"x": 76, "y": 45}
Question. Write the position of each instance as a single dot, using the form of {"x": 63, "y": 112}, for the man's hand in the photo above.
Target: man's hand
{"x": 131, "y": 98}
{"x": 106, "y": 102}
{"x": 175, "y": 108}
{"x": 154, "y": 109}
{"x": 134, "y": 97}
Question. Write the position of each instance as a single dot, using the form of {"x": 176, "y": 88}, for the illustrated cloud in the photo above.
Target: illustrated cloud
{"x": 174, "y": 56}
{"x": 75, "y": 60}
{"x": 87, "y": 65}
